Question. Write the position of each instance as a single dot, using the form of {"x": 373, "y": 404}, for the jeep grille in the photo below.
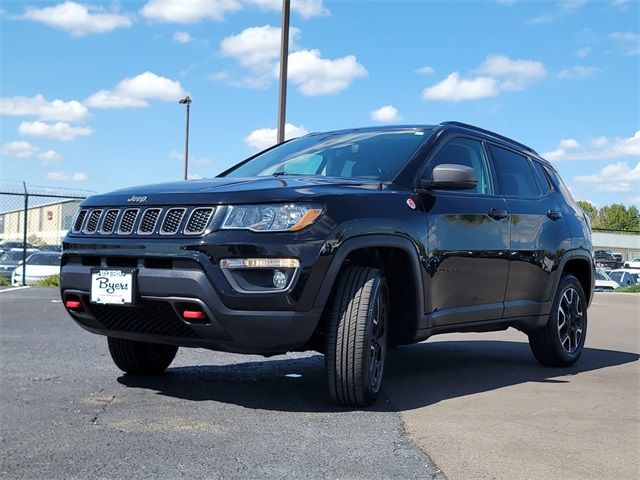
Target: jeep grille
{"x": 150, "y": 221}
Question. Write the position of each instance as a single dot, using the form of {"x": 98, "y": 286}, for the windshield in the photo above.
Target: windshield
{"x": 601, "y": 275}
{"x": 10, "y": 257}
{"x": 44, "y": 259}
{"x": 377, "y": 155}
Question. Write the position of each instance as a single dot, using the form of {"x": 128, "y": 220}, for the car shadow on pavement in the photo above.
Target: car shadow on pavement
{"x": 416, "y": 376}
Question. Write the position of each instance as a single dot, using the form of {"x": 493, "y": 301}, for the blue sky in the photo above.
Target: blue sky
{"x": 89, "y": 90}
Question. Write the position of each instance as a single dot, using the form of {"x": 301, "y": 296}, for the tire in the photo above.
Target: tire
{"x": 356, "y": 345}
{"x": 561, "y": 341}
{"x": 141, "y": 358}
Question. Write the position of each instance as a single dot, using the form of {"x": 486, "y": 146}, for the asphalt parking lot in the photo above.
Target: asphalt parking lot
{"x": 478, "y": 405}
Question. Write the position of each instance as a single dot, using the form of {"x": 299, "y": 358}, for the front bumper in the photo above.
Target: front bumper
{"x": 261, "y": 324}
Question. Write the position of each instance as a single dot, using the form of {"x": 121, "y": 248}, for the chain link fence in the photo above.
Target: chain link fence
{"x": 623, "y": 244}
{"x": 33, "y": 220}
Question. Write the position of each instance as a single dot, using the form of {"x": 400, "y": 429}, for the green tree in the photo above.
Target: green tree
{"x": 618, "y": 217}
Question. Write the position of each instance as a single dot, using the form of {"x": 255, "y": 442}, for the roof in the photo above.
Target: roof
{"x": 613, "y": 240}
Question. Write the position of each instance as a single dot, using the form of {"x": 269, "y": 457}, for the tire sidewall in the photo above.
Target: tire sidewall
{"x": 379, "y": 288}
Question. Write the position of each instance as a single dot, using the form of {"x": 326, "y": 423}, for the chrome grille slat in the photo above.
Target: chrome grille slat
{"x": 79, "y": 221}
{"x": 149, "y": 220}
{"x": 93, "y": 221}
{"x": 127, "y": 221}
{"x": 172, "y": 220}
{"x": 198, "y": 220}
{"x": 109, "y": 221}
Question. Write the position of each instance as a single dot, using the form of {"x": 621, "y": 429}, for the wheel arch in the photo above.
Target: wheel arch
{"x": 578, "y": 263}
{"x": 398, "y": 258}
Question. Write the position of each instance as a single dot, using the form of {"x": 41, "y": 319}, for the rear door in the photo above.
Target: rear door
{"x": 467, "y": 236}
{"x": 539, "y": 234}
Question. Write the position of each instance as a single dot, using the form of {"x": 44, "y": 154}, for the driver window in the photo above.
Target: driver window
{"x": 467, "y": 152}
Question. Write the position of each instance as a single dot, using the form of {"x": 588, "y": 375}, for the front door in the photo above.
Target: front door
{"x": 467, "y": 240}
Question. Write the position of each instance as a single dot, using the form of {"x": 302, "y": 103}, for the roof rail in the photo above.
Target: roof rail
{"x": 489, "y": 132}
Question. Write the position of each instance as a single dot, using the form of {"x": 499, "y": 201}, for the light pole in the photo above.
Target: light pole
{"x": 284, "y": 58}
{"x": 186, "y": 101}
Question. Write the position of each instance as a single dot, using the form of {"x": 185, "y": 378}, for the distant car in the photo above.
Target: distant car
{"x": 617, "y": 256}
{"x": 39, "y": 266}
{"x": 604, "y": 282}
{"x": 51, "y": 248}
{"x": 625, "y": 277}
{"x": 7, "y": 246}
{"x": 635, "y": 263}
{"x": 605, "y": 259}
{"x": 8, "y": 263}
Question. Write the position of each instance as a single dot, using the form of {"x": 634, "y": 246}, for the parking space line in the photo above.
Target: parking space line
{"x": 14, "y": 289}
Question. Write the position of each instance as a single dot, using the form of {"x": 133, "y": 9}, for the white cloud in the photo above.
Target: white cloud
{"x": 496, "y": 74}
{"x": 22, "y": 149}
{"x": 134, "y": 92}
{"x": 629, "y": 42}
{"x": 182, "y": 37}
{"x": 514, "y": 74}
{"x": 578, "y": 72}
{"x": 426, "y": 70}
{"x": 541, "y": 19}
{"x": 572, "y": 5}
{"x": 50, "y": 156}
{"x": 601, "y": 149}
{"x": 57, "y": 131}
{"x": 616, "y": 177}
{"x": 62, "y": 176}
{"x": 455, "y": 89}
{"x": 569, "y": 143}
{"x": 78, "y": 19}
{"x": 188, "y": 11}
{"x": 386, "y": 114}
{"x": 319, "y": 76}
{"x": 266, "y": 137}
{"x": 19, "y": 149}
{"x": 71, "y": 111}
{"x": 305, "y": 8}
{"x": 583, "y": 52}
{"x": 257, "y": 49}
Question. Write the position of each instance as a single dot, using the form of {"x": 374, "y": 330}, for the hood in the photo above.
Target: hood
{"x": 233, "y": 190}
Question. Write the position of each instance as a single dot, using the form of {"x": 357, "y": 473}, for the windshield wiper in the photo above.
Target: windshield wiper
{"x": 279, "y": 174}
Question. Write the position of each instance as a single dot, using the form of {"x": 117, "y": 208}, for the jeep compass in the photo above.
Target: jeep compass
{"x": 348, "y": 243}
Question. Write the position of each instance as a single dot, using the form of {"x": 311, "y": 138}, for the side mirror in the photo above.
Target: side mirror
{"x": 450, "y": 176}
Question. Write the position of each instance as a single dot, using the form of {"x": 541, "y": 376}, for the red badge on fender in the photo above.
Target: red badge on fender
{"x": 411, "y": 203}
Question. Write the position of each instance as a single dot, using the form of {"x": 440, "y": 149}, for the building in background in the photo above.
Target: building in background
{"x": 47, "y": 223}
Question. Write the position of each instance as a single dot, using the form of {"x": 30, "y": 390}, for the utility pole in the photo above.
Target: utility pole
{"x": 186, "y": 101}
{"x": 284, "y": 59}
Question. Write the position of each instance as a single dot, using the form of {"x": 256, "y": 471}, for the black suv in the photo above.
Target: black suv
{"x": 347, "y": 243}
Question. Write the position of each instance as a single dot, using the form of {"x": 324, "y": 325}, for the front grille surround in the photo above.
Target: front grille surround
{"x": 152, "y": 221}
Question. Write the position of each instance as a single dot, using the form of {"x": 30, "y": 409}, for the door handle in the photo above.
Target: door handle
{"x": 498, "y": 214}
{"x": 554, "y": 215}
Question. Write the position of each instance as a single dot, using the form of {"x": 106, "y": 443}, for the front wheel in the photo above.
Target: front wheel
{"x": 141, "y": 358}
{"x": 561, "y": 341}
{"x": 356, "y": 346}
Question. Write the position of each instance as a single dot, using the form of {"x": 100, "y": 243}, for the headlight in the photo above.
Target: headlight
{"x": 271, "y": 218}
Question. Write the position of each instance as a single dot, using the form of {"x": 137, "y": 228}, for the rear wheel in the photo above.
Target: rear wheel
{"x": 356, "y": 346}
{"x": 561, "y": 341}
{"x": 141, "y": 358}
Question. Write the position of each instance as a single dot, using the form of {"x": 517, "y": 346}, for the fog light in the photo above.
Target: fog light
{"x": 279, "y": 279}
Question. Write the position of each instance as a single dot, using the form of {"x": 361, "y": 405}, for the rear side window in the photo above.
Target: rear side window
{"x": 515, "y": 176}
{"x": 543, "y": 179}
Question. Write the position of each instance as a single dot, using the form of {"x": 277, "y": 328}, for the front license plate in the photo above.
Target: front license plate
{"x": 112, "y": 287}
